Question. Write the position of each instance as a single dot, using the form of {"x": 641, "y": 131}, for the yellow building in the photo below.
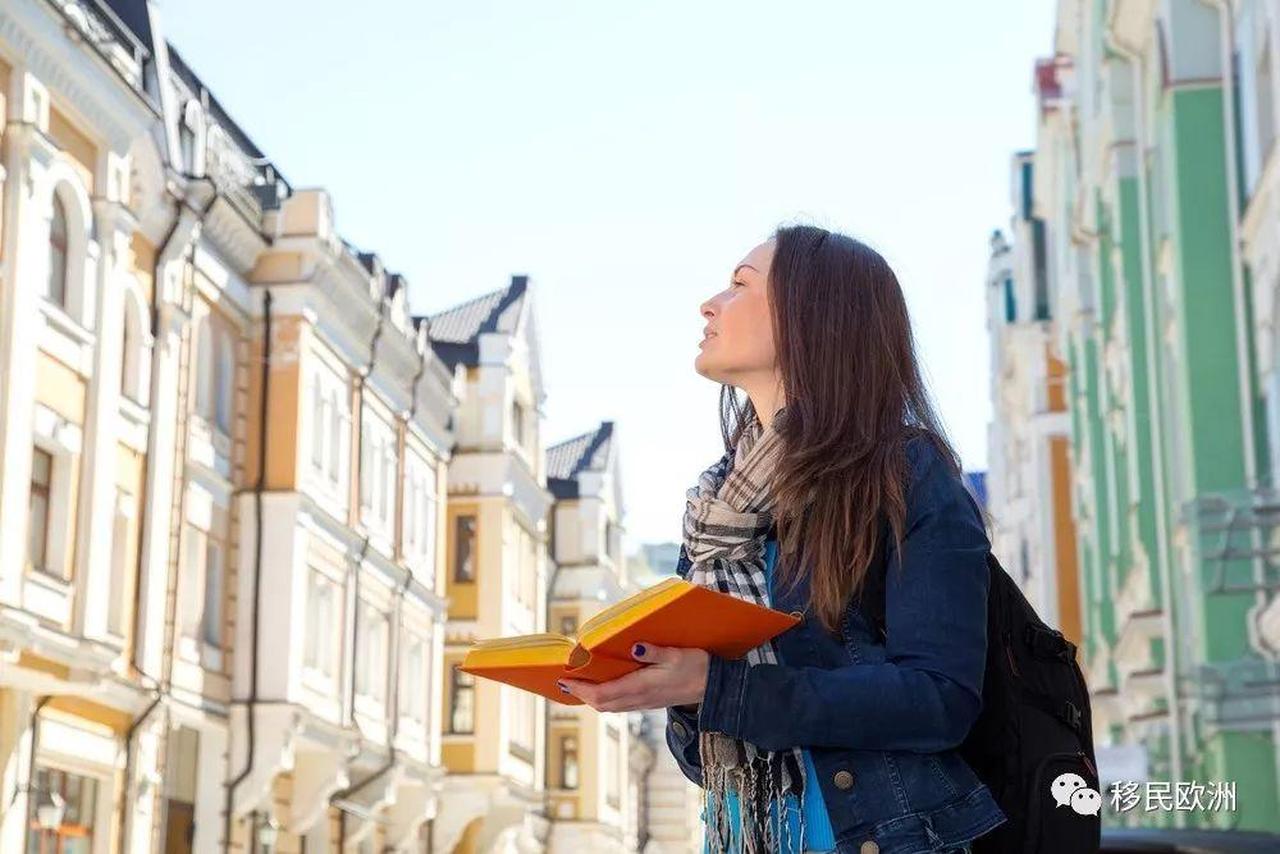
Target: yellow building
{"x": 225, "y": 446}
{"x": 588, "y": 752}
{"x": 496, "y": 569}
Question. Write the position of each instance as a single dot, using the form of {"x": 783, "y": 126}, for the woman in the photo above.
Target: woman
{"x": 847, "y": 484}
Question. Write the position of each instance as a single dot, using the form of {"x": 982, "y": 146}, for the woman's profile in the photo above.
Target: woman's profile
{"x": 836, "y": 476}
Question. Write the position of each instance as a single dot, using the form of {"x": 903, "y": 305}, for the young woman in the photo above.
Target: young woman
{"x": 836, "y": 478}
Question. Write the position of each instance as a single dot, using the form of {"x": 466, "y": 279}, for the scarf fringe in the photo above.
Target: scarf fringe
{"x": 763, "y": 790}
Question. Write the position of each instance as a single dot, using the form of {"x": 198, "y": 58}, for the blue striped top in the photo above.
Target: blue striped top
{"x": 818, "y": 833}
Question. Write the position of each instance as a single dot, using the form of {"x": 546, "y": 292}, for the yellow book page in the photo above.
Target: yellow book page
{"x": 542, "y": 648}
{"x": 623, "y": 613}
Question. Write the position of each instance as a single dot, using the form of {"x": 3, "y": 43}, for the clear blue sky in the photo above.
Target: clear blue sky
{"x": 626, "y": 155}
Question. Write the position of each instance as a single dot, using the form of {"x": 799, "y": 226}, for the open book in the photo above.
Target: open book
{"x": 674, "y": 612}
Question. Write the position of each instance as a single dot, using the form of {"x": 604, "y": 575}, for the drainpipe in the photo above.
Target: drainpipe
{"x": 160, "y": 686}
{"x": 34, "y": 726}
{"x": 122, "y": 812}
{"x": 1135, "y": 61}
{"x": 180, "y": 203}
{"x": 363, "y": 376}
{"x": 258, "y": 489}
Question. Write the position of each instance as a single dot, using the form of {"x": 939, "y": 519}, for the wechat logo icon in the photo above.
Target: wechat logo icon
{"x": 1070, "y": 790}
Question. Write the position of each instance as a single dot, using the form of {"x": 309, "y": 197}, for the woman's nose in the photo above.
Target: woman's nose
{"x": 707, "y": 309}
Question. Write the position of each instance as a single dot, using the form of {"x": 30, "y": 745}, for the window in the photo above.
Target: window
{"x": 211, "y": 615}
{"x": 330, "y": 429}
{"x": 38, "y": 516}
{"x": 135, "y": 367}
{"x": 1266, "y": 105}
{"x": 371, "y": 671}
{"x": 464, "y": 545}
{"x": 522, "y": 705}
{"x": 182, "y": 757}
{"x": 612, "y": 542}
{"x": 568, "y": 762}
{"x": 319, "y": 424}
{"x": 413, "y": 701}
{"x": 462, "y": 698}
{"x": 75, "y": 834}
{"x": 56, "y": 288}
{"x": 321, "y": 618}
{"x": 517, "y": 423}
{"x": 226, "y": 382}
{"x": 337, "y": 419}
{"x": 612, "y": 767}
{"x": 419, "y": 510}
{"x": 204, "y": 370}
{"x": 377, "y": 474}
{"x": 121, "y": 529}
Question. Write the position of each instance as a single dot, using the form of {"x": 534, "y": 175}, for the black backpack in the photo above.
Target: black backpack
{"x": 1034, "y": 725}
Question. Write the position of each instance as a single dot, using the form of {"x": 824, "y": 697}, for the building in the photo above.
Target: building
{"x": 1029, "y": 471}
{"x": 226, "y": 452}
{"x": 589, "y": 790}
{"x": 496, "y": 571}
{"x": 669, "y": 806}
{"x": 1150, "y": 176}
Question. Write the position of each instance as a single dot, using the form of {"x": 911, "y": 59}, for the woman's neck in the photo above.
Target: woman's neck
{"x": 766, "y": 399}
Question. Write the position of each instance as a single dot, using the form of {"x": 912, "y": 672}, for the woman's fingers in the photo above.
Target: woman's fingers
{"x": 650, "y": 654}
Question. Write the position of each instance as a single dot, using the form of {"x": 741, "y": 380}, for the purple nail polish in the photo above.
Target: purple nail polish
{"x": 638, "y": 650}
{"x": 560, "y": 685}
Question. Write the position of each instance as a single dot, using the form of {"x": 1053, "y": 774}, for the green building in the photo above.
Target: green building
{"x": 1150, "y": 174}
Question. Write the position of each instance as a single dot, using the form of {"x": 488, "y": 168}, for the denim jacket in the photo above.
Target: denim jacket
{"x": 882, "y": 720}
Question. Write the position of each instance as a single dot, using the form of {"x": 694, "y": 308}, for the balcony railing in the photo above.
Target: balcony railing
{"x": 98, "y": 25}
{"x": 1239, "y": 532}
{"x": 1242, "y": 692}
{"x": 251, "y": 184}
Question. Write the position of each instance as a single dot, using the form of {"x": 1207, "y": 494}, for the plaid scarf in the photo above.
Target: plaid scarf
{"x": 726, "y": 521}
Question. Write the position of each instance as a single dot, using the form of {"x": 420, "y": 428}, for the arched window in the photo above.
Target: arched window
{"x": 135, "y": 367}
{"x": 56, "y": 288}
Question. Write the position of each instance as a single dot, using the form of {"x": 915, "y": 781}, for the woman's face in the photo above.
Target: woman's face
{"x": 737, "y": 342}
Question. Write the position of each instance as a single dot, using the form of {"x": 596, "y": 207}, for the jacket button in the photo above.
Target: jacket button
{"x": 869, "y": 847}
{"x": 844, "y": 780}
{"x": 680, "y": 730}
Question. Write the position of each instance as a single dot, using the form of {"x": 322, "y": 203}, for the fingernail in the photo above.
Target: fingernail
{"x": 561, "y": 686}
{"x": 638, "y": 650}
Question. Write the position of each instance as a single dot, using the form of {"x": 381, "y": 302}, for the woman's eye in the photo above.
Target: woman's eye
{"x": 738, "y": 284}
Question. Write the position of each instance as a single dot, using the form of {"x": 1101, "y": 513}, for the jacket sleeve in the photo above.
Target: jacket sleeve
{"x": 927, "y": 693}
{"x": 682, "y": 721}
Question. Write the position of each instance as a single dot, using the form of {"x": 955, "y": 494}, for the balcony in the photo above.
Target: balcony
{"x": 1242, "y": 693}
{"x": 95, "y": 23}
{"x": 1239, "y": 533}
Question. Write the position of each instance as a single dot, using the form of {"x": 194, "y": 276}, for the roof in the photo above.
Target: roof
{"x": 133, "y": 14}
{"x": 455, "y": 332}
{"x": 567, "y": 459}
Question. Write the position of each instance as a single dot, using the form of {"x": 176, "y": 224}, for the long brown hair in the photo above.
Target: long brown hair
{"x": 854, "y": 397}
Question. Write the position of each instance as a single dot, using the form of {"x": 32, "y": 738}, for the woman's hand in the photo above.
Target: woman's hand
{"x": 673, "y": 677}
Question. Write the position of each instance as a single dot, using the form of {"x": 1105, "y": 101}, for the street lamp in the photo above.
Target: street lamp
{"x": 268, "y": 832}
{"x": 50, "y": 809}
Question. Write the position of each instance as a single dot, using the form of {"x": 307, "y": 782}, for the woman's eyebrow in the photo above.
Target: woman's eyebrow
{"x": 740, "y": 266}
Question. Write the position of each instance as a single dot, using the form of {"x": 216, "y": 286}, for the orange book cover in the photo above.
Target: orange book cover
{"x": 673, "y": 613}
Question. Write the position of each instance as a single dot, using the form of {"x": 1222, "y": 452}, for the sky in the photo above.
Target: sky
{"x": 625, "y": 156}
